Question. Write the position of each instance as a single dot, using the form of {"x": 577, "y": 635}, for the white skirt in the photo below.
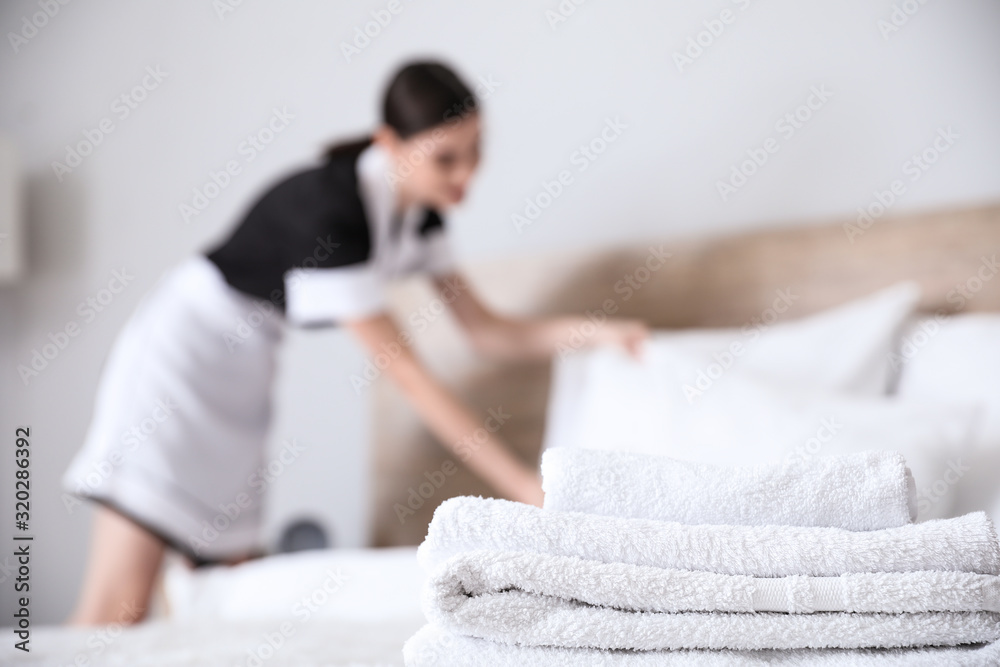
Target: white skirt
{"x": 182, "y": 414}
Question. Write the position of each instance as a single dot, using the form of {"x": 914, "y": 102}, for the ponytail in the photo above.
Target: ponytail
{"x": 421, "y": 95}
{"x": 348, "y": 147}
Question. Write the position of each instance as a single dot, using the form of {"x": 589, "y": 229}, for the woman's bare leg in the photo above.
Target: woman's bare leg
{"x": 122, "y": 567}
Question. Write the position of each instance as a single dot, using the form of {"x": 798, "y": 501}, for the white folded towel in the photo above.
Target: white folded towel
{"x": 533, "y": 599}
{"x": 571, "y": 625}
{"x": 864, "y": 491}
{"x": 964, "y": 544}
{"x": 517, "y": 574}
{"x": 472, "y": 582}
{"x": 434, "y": 647}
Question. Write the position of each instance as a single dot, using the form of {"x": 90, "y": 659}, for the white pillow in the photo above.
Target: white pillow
{"x": 958, "y": 358}
{"x": 745, "y": 421}
{"x": 378, "y": 585}
{"x": 841, "y": 349}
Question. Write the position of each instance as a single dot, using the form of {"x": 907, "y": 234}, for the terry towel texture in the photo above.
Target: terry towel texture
{"x": 433, "y": 647}
{"x": 638, "y": 561}
{"x": 517, "y": 574}
{"x": 864, "y": 491}
{"x": 482, "y": 579}
{"x": 964, "y": 544}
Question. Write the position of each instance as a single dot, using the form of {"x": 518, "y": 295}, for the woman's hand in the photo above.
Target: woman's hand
{"x": 631, "y": 334}
{"x": 515, "y": 339}
{"x": 449, "y": 420}
{"x": 529, "y": 490}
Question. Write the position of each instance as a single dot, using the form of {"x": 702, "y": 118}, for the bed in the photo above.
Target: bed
{"x": 336, "y": 608}
{"x": 724, "y": 281}
{"x": 366, "y": 603}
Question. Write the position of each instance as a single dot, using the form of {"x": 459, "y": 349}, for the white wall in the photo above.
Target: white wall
{"x": 557, "y": 86}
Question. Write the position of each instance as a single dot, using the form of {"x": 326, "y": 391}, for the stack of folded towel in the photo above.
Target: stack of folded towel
{"x": 640, "y": 560}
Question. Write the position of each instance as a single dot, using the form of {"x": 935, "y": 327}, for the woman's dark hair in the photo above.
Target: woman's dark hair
{"x": 421, "y": 96}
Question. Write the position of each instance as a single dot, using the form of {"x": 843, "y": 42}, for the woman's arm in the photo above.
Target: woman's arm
{"x": 448, "y": 419}
{"x": 512, "y": 338}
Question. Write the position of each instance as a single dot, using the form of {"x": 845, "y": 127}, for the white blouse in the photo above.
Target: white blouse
{"x": 398, "y": 249}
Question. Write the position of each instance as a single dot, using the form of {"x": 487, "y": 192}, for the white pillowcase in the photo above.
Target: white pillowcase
{"x": 745, "y": 421}
{"x": 958, "y": 358}
{"x": 842, "y": 349}
{"x": 802, "y": 388}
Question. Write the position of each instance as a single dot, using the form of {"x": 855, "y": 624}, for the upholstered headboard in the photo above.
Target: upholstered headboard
{"x": 708, "y": 282}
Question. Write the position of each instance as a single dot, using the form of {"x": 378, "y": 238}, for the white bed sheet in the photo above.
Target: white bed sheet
{"x": 336, "y": 608}
{"x": 162, "y": 643}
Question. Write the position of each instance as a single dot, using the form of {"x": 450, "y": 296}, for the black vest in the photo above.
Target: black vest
{"x": 314, "y": 218}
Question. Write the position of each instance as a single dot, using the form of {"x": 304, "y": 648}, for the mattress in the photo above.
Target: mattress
{"x": 326, "y": 642}
{"x": 337, "y": 607}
